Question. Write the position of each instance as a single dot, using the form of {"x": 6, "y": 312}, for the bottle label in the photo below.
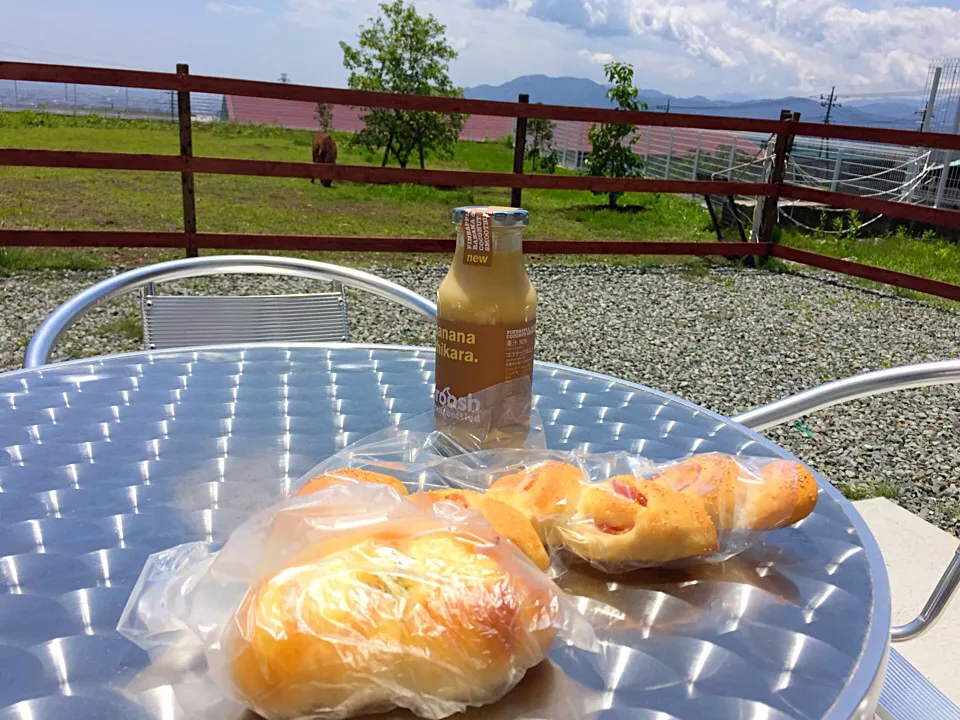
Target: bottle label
{"x": 477, "y": 229}
{"x": 472, "y": 359}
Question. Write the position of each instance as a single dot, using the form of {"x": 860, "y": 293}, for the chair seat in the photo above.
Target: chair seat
{"x": 908, "y": 695}
{"x": 182, "y": 320}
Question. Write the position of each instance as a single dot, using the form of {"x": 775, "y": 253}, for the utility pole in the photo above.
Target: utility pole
{"x": 927, "y": 118}
{"x": 828, "y": 102}
{"x": 665, "y": 108}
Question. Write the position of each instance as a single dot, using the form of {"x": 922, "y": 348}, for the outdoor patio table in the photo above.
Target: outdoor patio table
{"x": 107, "y": 460}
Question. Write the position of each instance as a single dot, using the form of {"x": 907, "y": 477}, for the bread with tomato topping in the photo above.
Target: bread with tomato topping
{"x": 779, "y": 493}
{"x": 544, "y": 494}
{"x": 630, "y": 520}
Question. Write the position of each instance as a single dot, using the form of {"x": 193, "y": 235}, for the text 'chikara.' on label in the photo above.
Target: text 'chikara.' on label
{"x": 472, "y": 358}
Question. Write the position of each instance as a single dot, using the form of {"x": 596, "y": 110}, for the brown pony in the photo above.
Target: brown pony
{"x": 324, "y": 151}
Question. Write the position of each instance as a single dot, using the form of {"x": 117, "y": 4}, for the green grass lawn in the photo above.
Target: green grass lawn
{"x": 926, "y": 255}
{"x": 77, "y": 199}
{"x": 122, "y": 200}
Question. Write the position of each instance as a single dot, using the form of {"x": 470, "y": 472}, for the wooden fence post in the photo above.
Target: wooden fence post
{"x": 768, "y": 208}
{"x": 519, "y": 150}
{"x": 186, "y": 176}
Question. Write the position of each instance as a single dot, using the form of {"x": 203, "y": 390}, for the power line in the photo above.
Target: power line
{"x": 41, "y": 51}
{"x": 893, "y": 93}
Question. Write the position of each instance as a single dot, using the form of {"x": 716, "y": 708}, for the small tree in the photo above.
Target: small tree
{"x": 324, "y": 116}
{"x": 404, "y": 52}
{"x": 611, "y": 153}
{"x": 540, "y": 150}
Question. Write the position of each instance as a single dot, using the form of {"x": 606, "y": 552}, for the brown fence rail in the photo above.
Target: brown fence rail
{"x": 187, "y": 165}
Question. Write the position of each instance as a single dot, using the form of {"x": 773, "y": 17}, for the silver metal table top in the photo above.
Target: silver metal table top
{"x": 104, "y": 461}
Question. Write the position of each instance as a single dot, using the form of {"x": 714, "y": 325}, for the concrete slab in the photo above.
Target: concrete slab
{"x": 916, "y": 553}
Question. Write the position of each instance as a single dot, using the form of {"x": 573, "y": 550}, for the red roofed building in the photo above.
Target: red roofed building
{"x": 571, "y": 141}
{"x": 656, "y": 144}
{"x": 300, "y": 116}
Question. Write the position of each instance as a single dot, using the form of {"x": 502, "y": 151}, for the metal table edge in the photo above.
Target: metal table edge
{"x": 867, "y": 679}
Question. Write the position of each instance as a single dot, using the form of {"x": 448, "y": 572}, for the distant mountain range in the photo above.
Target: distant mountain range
{"x": 895, "y": 113}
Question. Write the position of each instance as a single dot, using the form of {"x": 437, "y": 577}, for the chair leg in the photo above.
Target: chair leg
{"x": 937, "y": 602}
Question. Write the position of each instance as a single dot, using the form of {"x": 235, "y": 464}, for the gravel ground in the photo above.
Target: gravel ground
{"x": 728, "y": 339}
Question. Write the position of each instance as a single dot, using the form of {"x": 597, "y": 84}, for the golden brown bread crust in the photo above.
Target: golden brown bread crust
{"x": 781, "y": 493}
{"x": 794, "y": 489}
{"x": 630, "y": 520}
{"x": 713, "y": 478}
{"x": 343, "y": 476}
{"x": 543, "y": 494}
{"x": 394, "y": 614}
{"x": 506, "y": 520}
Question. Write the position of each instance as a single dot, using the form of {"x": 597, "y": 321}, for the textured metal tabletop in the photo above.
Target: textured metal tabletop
{"x": 106, "y": 461}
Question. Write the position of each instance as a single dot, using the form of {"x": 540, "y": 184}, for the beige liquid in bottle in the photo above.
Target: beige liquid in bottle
{"x": 486, "y": 329}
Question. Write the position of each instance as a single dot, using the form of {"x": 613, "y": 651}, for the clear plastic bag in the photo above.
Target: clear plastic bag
{"x": 405, "y": 571}
{"x": 618, "y": 511}
{"x": 621, "y": 512}
{"x": 353, "y": 599}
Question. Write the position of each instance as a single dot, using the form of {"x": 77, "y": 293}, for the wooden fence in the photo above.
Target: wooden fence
{"x": 187, "y": 164}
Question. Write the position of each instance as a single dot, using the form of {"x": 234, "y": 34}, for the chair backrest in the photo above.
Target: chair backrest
{"x": 51, "y": 329}
{"x": 171, "y": 321}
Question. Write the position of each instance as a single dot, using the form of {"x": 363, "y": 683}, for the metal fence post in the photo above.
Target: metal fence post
{"x": 733, "y": 155}
{"x": 915, "y": 168}
{"x": 947, "y": 160}
{"x": 666, "y": 170}
{"x": 768, "y": 208}
{"x": 519, "y": 150}
{"x": 186, "y": 175}
{"x": 835, "y": 180}
{"x": 577, "y": 163}
{"x": 696, "y": 155}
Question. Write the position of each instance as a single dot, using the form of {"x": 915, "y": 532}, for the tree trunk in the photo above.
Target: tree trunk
{"x": 402, "y": 155}
{"x": 612, "y": 200}
{"x": 420, "y": 147}
{"x": 386, "y": 152}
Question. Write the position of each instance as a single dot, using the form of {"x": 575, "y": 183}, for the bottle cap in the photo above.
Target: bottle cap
{"x": 501, "y": 216}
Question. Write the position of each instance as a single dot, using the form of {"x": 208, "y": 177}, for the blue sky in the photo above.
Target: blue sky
{"x": 685, "y": 47}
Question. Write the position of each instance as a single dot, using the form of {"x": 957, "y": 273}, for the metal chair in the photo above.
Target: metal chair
{"x": 184, "y": 320}
{"x": 907, "y": 694}
{"x": 178, "y": 321}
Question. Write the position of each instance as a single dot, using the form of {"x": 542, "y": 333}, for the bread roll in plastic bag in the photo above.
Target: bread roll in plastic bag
{"x": 621, "y": 512}
{"x": 353, "y": 599}
{"x": 617, "y": 511}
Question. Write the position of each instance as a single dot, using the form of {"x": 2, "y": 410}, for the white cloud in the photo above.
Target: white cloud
{"x": 685, "y": 47}
{"x": 319, "y": 14}
{"x": 497, "y": 39}
{"x": 222, "y": 7}
{"x": 785, "y": 45}
{"x": 600, "y": 58}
